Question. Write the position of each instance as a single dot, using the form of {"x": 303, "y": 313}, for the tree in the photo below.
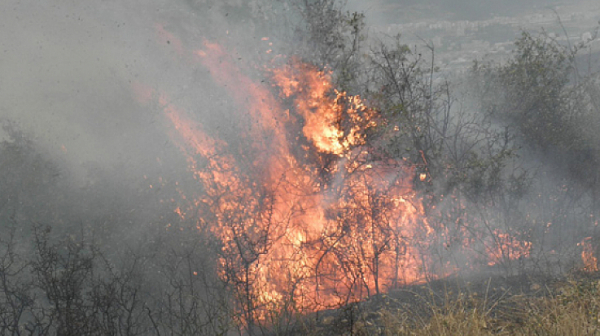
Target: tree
{"x": 543, "y": 97}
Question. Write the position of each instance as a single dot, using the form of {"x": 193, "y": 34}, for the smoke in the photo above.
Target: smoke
{"x": 64, "y": 79}
{"x": 385, "y": 12}
{"x": 90, "y": 82}
{"x": 168, "y": 134}
{"x": 67, "y": 69}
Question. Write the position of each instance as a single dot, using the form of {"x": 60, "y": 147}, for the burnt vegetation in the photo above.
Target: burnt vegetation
{"x": 502, "y": 163}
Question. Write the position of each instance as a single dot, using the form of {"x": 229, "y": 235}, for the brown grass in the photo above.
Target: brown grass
{"x": 571, "y": 308}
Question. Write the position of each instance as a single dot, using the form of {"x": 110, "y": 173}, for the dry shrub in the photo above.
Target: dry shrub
{"x": 573, "y": 308}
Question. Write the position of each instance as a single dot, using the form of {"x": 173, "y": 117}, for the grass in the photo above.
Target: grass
{"x": 567, "y": 307}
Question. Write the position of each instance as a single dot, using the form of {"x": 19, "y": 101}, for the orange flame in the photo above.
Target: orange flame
{"x": 322, "y": 113}
{"x": 590, "y": 262}
{"x": 306, "y": 214}
{"x": 283, "y": 227}
{"x": 507, "y": 247}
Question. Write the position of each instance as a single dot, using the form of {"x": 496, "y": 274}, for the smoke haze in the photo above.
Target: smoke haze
{"x": 170, "y": 120}
{"x": 67, "y": 69}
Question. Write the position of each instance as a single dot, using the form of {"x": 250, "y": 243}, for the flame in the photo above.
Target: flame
{"x": 333, "y": 121}
{"x": 324, "y": 232}
{"x": 507, "y": 247}
{"x": 305, "y": 211}
{"x": 590, "y": 262}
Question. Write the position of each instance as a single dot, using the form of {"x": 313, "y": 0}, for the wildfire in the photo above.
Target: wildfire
{"x": 304, "y": 212}
{"x": 333, "y": 124}
{"x": 507, "y": 247}
{"x": 590, "y": 262}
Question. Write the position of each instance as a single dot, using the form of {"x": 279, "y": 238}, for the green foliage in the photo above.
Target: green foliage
{"x": 332, "y": 39}
{"x": 536, "y": 90}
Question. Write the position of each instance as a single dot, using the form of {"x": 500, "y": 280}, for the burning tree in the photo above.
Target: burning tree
{"x": 311, "y": 210}
{"x": 547, "y": 99}
{"x": 343, "y": 174}
{"x": 323, "y": 197}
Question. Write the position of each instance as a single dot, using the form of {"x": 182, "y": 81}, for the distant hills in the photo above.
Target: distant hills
{"x": 394, "y": 11}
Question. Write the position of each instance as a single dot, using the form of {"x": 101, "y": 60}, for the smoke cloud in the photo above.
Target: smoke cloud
{"x": 67, "y": 69}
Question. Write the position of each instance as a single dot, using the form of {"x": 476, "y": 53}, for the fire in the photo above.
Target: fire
{"x": 306, "y": 213}
{"x": 323, "y": 115}
{"x": 507, "y": 247}
{"x": 590, "y": 262}
{"x": 325, "y": 232}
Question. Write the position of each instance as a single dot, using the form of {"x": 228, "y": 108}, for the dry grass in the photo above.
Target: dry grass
{"x": 571, "y": 308}
{"x": 574, "y": 310}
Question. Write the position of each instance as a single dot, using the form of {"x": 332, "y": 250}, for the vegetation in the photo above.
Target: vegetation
{"x": 565, "y": 307}
{"x": 503, "y": 161}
